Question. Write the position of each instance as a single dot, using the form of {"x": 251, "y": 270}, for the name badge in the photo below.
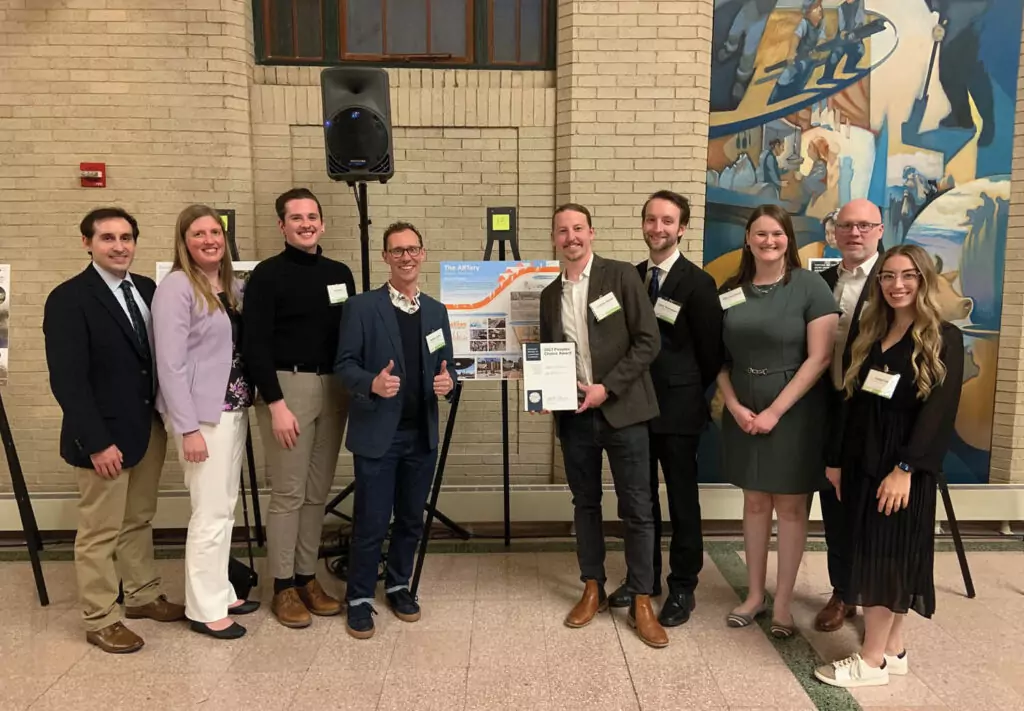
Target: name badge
{"x": 605, "y": 306}
{"x": 732, "y": 298}
{"x": 881, "y": 384}
{"x": 667, "y": 311}
{"x": 435, "y": 341}
{"x": 337, "y": 293}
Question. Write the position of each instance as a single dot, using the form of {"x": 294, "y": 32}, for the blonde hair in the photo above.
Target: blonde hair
{"x": 183, "y": 261}
{"x": 926, "y": 330}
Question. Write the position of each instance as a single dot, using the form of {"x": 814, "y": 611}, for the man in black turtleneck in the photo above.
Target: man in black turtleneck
{"x": 395, "y": 357}
{"x": 292, "y": 314}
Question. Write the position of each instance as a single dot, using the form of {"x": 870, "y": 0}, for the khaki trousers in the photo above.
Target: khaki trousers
{"x": 300, "y": 478}
{"x": 115, "y": 536}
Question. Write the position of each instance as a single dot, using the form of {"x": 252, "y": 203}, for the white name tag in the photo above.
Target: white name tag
{"x": 337, "y": 293}
{"x": 881, "y": 384}
{"x": 667, "y": 311}
{"x": 605, "y": 306}
{"x": 435, "y": 340}
{"x": 732, "y": 298}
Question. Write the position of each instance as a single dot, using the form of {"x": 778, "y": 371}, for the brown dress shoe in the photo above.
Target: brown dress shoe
{"x": 643, "y": 619}
{"x": 115, "y": 639}
{"x": 317, "y": 601}
{"x": 288, "y": 609}
{"x": 593, "y": 601}
{"x": 160, "y": 610}
{"x": 832, "y": 615}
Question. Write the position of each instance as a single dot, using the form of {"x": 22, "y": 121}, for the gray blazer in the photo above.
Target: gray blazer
{"x": 193, "y": 354}
{"x": 622, "y": 345}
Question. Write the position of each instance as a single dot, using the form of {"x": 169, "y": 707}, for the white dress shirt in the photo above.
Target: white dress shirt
{"x": 574, "y": 320}
{"x": 663, "y": 269}
{"x": 114, "y": 284}
{"x": 849, "y": 287}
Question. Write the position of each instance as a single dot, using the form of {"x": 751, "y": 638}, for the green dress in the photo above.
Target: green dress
{"x": 766, "y": 343}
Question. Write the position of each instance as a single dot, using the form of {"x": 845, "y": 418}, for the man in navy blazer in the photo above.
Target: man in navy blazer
{"x": 394, "y": 353}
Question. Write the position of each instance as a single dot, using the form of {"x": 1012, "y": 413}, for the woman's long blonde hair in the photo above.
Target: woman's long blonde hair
{"x": 926, "y": 330}
{"x": 183, "y": 261}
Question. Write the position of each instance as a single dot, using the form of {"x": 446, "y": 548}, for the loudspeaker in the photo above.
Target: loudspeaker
{"x": 357, "y": 124}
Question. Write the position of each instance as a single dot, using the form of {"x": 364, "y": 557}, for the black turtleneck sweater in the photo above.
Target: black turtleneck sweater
{"x": 288, "y": 316}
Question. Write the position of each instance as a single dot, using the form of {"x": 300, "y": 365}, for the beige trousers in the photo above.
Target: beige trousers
{"x": 300, "y": 478}
{"x": 115, "y": 536}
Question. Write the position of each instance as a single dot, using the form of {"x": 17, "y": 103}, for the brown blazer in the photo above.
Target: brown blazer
{"x": 622, "y": 346}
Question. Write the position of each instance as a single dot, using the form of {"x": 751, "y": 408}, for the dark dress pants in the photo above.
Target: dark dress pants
{"x": 678, "y": 457}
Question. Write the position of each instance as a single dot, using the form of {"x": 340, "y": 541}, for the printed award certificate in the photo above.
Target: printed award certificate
{"x": 549, "y": 377}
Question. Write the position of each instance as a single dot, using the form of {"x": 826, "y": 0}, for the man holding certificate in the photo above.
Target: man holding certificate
{"x": 601, "y": 307}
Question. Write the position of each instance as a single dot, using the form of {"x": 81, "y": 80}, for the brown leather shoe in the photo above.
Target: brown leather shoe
{"x": 160, "y": 610}
{"x": 832, "y": 615}
{"x": 317, "y": 601}
{"x": 288, "y": 609}
{"x": 115, "y": 639}
{"x": 593, "y": 601}
{"x": 643, "y": 619}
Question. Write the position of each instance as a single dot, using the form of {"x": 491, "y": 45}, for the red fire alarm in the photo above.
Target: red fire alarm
{"x": 94, "y": 175}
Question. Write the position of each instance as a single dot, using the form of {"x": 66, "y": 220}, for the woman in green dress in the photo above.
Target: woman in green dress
{"x": 779, "y": 330}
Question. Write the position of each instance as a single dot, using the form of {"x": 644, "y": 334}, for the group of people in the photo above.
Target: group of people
{"x": 846, "y": 386}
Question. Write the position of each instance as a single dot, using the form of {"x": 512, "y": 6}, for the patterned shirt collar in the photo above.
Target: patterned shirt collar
{"x": 402, "y": 302}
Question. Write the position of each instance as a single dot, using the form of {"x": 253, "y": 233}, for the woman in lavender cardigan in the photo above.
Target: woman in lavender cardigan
{"x": 204, "y": 396}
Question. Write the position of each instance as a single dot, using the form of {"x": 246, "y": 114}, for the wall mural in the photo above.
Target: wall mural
{"x": 909, "y": 103}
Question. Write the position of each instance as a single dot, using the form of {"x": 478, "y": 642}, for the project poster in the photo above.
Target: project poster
{"x": 242, "y": 270}
{"x": 5, "y": 319}
{"x": 494, "y": 308}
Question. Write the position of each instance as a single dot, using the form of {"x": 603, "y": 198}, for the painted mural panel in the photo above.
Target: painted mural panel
{"x": 909, "y": 103}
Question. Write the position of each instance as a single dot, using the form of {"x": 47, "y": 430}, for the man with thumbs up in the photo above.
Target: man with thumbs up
{"x": 393, "y": 357}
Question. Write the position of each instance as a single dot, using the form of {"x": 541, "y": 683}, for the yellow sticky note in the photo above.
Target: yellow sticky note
{"x": 224, "y": 221}
{"x": 500, "y": 223}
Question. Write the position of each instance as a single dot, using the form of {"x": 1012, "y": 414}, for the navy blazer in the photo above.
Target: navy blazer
{"x": 369, "y": 338}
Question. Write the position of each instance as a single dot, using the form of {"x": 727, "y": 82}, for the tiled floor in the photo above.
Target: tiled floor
{"x": 492, "y": 637}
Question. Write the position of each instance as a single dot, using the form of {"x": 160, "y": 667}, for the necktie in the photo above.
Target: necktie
{"x": 653, "y": 287}
{"x": 138, "y": 323}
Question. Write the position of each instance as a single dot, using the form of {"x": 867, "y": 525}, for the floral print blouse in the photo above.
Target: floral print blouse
{"x": 239, "y": 391}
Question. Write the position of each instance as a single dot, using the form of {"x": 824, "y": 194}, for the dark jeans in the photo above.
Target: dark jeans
{"x": 583, "y": 439}
{"x": 678, "y": 457}
{"x": 833, "y": 517}
{"x": 399, "y": 480}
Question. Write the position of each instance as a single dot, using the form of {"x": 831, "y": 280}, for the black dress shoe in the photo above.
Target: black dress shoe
{"x": 622, "y": 597}
{"x": 677, "y": 608}
{"x": 233, "y": 632}
{"x": 246, "y": 608}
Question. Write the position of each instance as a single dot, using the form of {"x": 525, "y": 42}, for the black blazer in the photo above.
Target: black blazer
{"x": 691, "y": 350}
{"x": 99, "y": 374}
{"x": 831, "y": 277}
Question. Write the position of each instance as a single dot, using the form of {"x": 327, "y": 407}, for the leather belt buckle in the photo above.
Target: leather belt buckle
{"x": 757, "y": 371}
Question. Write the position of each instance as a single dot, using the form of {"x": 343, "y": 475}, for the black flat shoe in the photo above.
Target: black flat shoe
{"x": 246, "y": 608}
{"x": 233, "y": 632}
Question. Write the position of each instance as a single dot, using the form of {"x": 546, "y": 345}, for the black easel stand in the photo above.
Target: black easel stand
{"x": 954, "y": 528}
{"x": 28, "y": 516}
{"x": 250, "y": 458}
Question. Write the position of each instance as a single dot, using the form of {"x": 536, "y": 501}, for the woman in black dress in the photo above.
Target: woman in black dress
{"x": 902, "y": 390}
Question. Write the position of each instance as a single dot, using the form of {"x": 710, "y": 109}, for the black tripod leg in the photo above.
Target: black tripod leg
{"x": 21, "y": 496}
{"x": 505, "y": 478}
{"x": 954, "y": 528}
{"x": 435, "y": 493}
{"x": 257, "y": 517}
{"x": 333, "y": 503}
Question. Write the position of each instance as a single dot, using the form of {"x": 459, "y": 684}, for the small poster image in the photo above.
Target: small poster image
{"x": 5, "y": 319}
{"x": 494, "y": 308}
{"x": 820, "y": 264}
{"x": 242, "y": 270}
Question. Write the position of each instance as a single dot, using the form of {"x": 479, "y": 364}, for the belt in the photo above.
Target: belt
{"x": 772, "y": 371}
{"x": 304, "y": 368}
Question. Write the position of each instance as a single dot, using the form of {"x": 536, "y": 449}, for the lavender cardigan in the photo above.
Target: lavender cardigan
{"x": 193, "y": 354}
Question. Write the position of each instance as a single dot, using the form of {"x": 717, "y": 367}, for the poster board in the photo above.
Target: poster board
{"x": 820, "y": 264}
{"x": 242, "y": 270}
{"x": 5, "y": 319}
{"x": 494, "y": 307}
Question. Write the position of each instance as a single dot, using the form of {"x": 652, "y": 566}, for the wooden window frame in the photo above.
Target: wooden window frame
{"x": 441, "y": 60}
{"x": 545, "y": 38}
{"x": 268, "y": 26}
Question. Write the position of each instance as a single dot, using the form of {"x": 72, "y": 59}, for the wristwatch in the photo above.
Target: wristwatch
{"x": 906, "y": 467}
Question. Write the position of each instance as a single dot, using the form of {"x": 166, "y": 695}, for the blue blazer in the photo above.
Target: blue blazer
{"x": 369, "y": 338}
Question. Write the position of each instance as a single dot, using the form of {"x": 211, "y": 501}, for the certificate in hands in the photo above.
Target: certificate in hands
{"x": 549, "y": 377}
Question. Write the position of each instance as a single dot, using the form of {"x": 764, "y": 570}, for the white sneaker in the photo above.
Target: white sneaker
{"x": 897, "y": 665}
{"x": 852, "y": 672}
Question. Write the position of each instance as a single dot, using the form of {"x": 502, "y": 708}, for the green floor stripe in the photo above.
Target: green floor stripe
{"x": 796, "y": 652}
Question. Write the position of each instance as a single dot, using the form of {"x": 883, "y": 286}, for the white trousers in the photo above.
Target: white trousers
{"x": 213, "y": 490}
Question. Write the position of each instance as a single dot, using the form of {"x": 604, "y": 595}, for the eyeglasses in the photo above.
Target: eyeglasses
{"x": 862, "y": 226}
{"x": 889, "y": 278}
{"x": 397, "y": 252}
